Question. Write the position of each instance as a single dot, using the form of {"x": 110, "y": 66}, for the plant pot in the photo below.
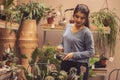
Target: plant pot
{"x": 100, "y": 64}
{"x": 106, "y": 22}
{"x": 50, "y": 20}
{"x": 27, "y": 41}
{"x": 103, "y": 62}
{"x": 7, "y": 39}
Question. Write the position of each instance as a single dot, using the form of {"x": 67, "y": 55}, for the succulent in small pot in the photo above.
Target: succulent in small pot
{"x": 50, "y": 16}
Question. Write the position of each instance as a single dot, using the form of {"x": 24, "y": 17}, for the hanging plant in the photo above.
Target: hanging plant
{"x": 106, "y": 18}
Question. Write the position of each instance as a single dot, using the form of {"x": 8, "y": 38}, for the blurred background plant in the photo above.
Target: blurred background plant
{"x": 102, "y": 19}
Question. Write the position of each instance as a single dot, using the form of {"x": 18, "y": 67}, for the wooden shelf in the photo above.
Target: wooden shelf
{"x": 100, "y": 71}
{"x": 8, "y": 25}
{"x": 47, "y": 27}
{"x": 93, "y": 28}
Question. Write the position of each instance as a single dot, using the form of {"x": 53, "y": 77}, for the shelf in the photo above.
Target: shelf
{"x": 94, "y": 29}
{"x": 47, "y": 27}
{"x": 9, "y": 25}
{"x": 100, "y": 71}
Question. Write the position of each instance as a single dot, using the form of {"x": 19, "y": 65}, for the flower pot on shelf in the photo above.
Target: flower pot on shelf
{"x": 50, "y": 20}
{"x": 101, "y": 63}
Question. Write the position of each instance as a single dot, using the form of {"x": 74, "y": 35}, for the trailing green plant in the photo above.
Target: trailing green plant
{"x": 106, "y": 18}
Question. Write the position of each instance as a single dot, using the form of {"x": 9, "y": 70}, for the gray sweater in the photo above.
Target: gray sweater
{"x": 80, "y": 43}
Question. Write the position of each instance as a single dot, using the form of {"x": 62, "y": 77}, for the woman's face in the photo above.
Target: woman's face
{"x": 79, "y": 19}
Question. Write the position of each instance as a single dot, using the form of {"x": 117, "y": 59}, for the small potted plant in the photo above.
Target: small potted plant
{"x": 102, "y": 62}
{"x": 50, "y": 16}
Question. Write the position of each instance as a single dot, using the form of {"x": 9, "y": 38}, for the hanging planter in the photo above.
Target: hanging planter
{"x": 102, "y": 19}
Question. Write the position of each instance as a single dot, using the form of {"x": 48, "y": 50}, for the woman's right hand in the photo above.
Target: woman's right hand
{"x": 59, "y": 48}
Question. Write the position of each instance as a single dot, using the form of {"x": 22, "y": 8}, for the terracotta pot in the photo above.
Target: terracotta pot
{"x": 7, "y": 39}
{"x": 50, "y": 20}
{"x": 103, "y": 62}
{"x": 28, "y": 41}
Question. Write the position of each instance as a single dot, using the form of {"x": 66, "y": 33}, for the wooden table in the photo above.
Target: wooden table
{"x": 101, "y": 74}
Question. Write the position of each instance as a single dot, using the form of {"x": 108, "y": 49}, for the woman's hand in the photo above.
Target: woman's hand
{"x": 59, "y": 48}
{"x": 68, "y": 56}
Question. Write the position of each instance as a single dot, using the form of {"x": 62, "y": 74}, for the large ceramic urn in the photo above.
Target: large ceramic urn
{"x": 27, "y": 41}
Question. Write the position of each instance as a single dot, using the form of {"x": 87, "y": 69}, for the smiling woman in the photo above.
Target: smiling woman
{"x": 79, "y": 18}
{"x": 77, "y": 43}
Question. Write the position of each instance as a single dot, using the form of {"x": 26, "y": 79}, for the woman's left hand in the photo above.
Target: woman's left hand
{"x": 68, "y": 56}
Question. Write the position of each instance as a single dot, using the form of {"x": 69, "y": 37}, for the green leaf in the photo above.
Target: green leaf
{"x": 23, "y": 56}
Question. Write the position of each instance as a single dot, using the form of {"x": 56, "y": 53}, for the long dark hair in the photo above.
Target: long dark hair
{"x": 83, "y": 9}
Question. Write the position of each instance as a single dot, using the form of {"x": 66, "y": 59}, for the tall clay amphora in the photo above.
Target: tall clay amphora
{"x": 7, "y": 39}
{"x": 28, "y": 41}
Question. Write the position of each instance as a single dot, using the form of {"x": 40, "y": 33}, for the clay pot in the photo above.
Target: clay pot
{"x": 50, "y": 20}
{"x": 7, "y": 39}
{"x": 27, "y": 41}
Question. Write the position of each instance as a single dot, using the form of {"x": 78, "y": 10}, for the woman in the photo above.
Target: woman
{"x": 77, "y": 43}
